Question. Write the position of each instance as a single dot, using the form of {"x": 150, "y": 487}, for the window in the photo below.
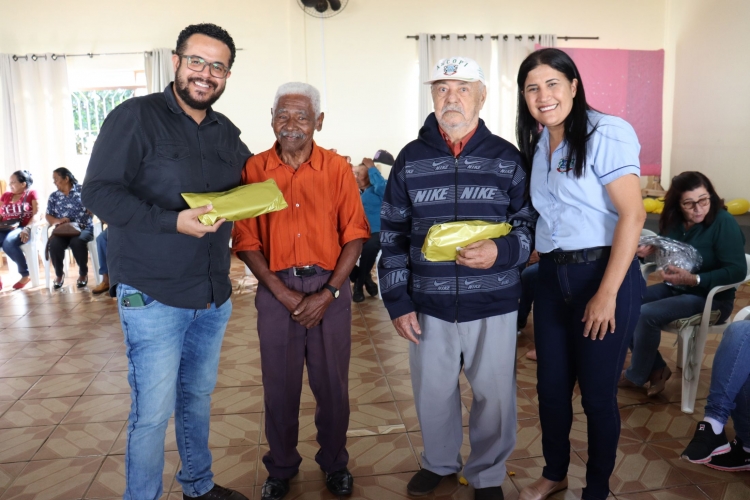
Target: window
{"x": 90, "y": 108}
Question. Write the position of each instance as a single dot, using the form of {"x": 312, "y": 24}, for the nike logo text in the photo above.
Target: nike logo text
{"x": 427, "y": 195}
{"x": 478, "y": 193}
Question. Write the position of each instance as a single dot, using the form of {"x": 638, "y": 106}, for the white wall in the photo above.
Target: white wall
{"x": 371, "y": 77}
{"x": 711, "y": 110}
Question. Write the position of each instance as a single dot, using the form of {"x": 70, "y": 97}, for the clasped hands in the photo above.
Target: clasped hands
{"x": 307, "y": 310}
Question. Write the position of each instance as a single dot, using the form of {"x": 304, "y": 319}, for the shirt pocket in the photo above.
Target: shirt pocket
{"x": 173, "y": 163}
{"x": 229, "y": 170}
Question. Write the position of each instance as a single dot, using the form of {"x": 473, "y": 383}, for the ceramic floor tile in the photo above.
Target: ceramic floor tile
{"x": 681, "y": 493}
{"x": 234, "y": 430}
{"x": 239, "y": 354}
{"x": 36, "y": 412}
{"x": 20, "y": 444}
{"x": 8, "y": 473}
{"x": 579, "y": 434}
{"x": 97, "y": 346}
{"x": 80, "y": 440}
{"x": 104, "y": 408}
{"x": 36, "y": 320}
{"x": 228, "y": 400}
{"x": 239, "y": 375}
{"x": 81, "y": 363}
{"x": 110, "y": 481}
{"x": 401, "y": 387}
{"x": 62, "y": 479}
{"x": 15, "y": 387}
{"x": 109, "y": 383}
{"x": 373, "y": 455}
{"x": 19, "y": 334}
{"x": 374, "y": 419}
{"x": 46, "y": 348}
{"x": 118, "y": 363}
{"x": 728, "y": 491}
{"x": 365, "y": 366}
{"x": 26, "y": 367}
{"x": 528, "y": 439}
{"x": 639, "y": 468}
{"x": 395, "y": 364}
{"x": 367, "y": 390}
{"x": 232, "y": 467}
{"x": 660, "y": 422}
{"x": 57, "y": 386}
{"x": 10, "y": 349}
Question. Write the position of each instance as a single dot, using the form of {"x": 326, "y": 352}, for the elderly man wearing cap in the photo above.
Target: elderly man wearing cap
{"x": 371, "y": 188}
{"x": 302, "y": 256}
{"x": 463, "y": 313}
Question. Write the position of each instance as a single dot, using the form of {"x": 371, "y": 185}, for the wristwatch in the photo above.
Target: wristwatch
{"x": 697, "y": 279}
{"x": 334, "y": 291}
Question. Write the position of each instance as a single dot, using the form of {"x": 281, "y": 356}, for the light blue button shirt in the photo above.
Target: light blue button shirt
{"x": 578, "y": 213}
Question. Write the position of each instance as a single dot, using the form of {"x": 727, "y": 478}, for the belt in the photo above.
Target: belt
{"x": 577, "y": 256}
{"x": 304, "y": 271}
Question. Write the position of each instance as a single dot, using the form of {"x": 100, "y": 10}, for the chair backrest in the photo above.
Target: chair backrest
{"x": 648, "y": 232}
{"x": 747, "y": 261}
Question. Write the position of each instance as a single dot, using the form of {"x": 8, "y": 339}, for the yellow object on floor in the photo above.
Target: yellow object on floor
{"x": 462, "y": 480}
{"x": 244, "y": 202}
{"x": 443, "y": 241}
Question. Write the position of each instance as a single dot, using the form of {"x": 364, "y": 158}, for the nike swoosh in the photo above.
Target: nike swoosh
{"x": 467, "y": 282}
{"x": 441, "y": 283}
{"x": 467, "y": 162}
{"x": 437, "y": 164}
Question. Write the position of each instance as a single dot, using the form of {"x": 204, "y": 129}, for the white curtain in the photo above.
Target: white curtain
{"x": 433, "y": 47}
{"x": 510, "y": 52}
{"x": 159, "y": 69}
{"x": 37, "y": 119}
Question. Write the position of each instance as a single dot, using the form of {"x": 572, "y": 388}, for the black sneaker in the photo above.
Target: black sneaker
{"x": 340, "y": 483}
{"x": 423, "y": 483}
{"x": 736, "y": 459}
{"x": 371, "y": 288}
{"x": 491, "y": 493}
{"x": 218, "y": 493}
{"x": 274, "y": 488}
{"x": 357, "y": 294}
{"x": 705, "y": 444}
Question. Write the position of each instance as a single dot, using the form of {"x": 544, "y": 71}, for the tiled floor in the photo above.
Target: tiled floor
{"x": 64, "y": 401}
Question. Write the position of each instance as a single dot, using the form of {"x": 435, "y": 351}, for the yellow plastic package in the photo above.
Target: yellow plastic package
{"x": 242, "y": 202}
{"x": 443, "y": 241}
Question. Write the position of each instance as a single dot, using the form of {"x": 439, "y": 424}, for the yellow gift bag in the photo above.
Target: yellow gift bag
{"x": 444, "y": 240}
{"x": 242, "y": 202}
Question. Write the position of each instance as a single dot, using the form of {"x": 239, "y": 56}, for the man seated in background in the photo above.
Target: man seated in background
{"x": 371, "y": 187}
{"x": 301, "y": 257}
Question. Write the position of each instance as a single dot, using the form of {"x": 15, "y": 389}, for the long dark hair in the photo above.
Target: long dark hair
{"x": 66, "y": 174}
{"x": 576, "y": 123}
{"x": 23, "y": 176}
{"x": 671, "y": 215}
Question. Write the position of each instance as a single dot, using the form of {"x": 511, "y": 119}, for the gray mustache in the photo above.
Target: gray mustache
{"x": 291, "y": 135}
{"x": 453, "y": 107}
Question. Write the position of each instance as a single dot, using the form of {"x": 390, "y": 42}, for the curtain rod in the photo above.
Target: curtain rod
{"x": 54, "y": 57}
{"x": 505, "y": 37}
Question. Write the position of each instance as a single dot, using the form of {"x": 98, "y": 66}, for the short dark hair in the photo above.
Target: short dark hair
{"x": 23, "y": 176}
{"x": 576, "y": 123}
{"x": 66, "y": 174}
{"x": 207, "y": 29}
{"x": 671, "y": 215}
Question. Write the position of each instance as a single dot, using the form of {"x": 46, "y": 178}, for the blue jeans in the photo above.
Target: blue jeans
{"x": 730, "y": 380}
{"x": 565, "y": 355}
{"x": 173, "y": 358}
{"x": 528, "y": 286}
{"x": 101, "y": 249}
{"x": 662, "y": 304}
{"x": 11, "y": 243}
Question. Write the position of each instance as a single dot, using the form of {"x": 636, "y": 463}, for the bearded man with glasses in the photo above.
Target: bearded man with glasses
{"x": 169, "y": 272}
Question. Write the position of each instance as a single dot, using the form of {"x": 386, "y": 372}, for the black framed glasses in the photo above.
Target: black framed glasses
{"x": 198, "y": 64}
{"x": 690, "y": 205}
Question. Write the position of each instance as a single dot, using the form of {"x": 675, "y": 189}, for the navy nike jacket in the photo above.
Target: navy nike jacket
{"x": 428, "y": 186}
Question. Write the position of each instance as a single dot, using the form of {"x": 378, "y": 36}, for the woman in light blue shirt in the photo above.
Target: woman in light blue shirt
{"x": 585, "y": 185}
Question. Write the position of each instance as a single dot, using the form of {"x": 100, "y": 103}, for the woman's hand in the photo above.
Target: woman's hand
{"x": 62, "y": 221}
{"x": 599, "y": 316}
{"x": 25, "y": 235}
{"x": 644, "y": 251}
{"x": 678, "y": 276}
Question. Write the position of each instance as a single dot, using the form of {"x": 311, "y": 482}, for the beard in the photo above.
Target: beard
{"x": 182, "y": 89}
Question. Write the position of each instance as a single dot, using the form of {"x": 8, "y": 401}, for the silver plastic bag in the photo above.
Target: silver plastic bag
{"x": 671, "y": 252}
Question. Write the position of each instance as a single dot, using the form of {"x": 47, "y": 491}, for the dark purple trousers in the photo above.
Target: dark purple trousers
{"x": 285, "y": 346}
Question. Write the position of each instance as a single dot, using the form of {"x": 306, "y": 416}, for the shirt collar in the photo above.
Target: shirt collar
{"x": 315, "y": 160}
{"x": 174, "y": 106}
{"x": 456, "y": 149}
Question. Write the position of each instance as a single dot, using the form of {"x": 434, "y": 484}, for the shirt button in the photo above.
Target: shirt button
{"x": 297, "y": 205}
{"x": 298, "y": 235}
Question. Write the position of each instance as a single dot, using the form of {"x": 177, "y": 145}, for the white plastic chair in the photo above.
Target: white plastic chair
{"x": 691, "y": 334}
{"x": 30, "y": 250}
{"x": 742, "y": 314}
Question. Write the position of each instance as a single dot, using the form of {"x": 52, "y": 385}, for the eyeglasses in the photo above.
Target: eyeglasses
{"x": 198, "y": 64}
{"x": 690, "y": 205}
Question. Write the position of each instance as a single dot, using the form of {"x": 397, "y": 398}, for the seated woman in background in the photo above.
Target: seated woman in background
{"x": 64, "y": 205}
{"x": 18, "y": 207}
{"x": 694, "y": 214}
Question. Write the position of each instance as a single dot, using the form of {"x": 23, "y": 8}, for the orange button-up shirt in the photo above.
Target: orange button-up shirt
{"x": 459, "y": 146}
{"x": 324, "y": 213}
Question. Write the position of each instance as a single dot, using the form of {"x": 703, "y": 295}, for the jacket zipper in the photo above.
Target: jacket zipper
{"x": 455, "y": 219}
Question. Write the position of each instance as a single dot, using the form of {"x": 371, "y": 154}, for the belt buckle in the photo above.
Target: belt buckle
{"x": 303, "y": 270}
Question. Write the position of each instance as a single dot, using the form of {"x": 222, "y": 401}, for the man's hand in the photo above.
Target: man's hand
{"x": 291, "y": 299}
{"x": 408, "y": 327}
{"x": 188, "y": 223}
{"x": 533, "y": 258}
{"x": 479, "y": 255}
{"x": 367, "y": 162}
{"x": 310, "y": 311}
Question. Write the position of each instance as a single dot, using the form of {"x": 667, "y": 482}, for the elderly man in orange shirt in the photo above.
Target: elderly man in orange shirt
{"x": 302, "y": 257}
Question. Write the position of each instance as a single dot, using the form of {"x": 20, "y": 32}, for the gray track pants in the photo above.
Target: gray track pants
{"x": 488, "y": 348}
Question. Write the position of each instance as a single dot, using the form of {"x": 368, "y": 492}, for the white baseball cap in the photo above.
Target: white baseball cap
{"x": 457, "y": 68}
